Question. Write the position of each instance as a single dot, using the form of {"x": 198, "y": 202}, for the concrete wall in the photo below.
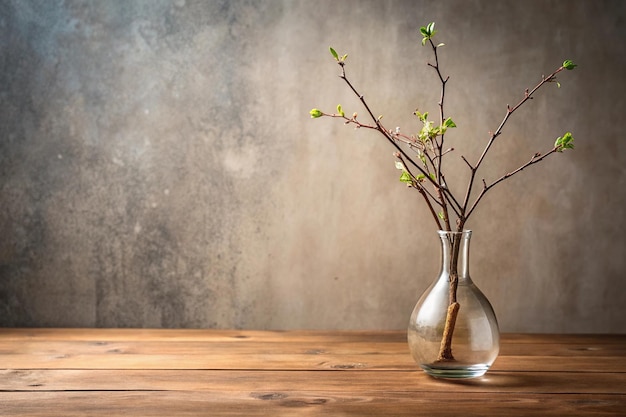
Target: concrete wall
{"x": 158, "y": 166}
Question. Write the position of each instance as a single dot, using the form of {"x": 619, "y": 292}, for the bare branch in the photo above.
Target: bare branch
{"x": 510, "y": 110}
{"x": 386, "y": 133}
{"x": 533, "y": 160}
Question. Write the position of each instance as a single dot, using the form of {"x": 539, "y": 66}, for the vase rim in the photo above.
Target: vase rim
{"x": 465, "y": 232}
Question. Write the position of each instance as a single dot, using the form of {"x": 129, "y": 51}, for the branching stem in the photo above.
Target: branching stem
{"x": 429, "y": 147}
{"x": 535, "y": 158}
{"x": 474, "y": 168}
{"x": 389, "y": 136}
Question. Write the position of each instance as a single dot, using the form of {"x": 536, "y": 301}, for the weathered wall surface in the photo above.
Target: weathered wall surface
{"x": 158, "y": 166}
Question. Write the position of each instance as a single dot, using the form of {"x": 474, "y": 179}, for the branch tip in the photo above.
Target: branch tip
{"x": 468, "y": 163}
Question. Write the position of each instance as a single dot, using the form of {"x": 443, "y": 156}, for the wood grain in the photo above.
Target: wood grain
{"x": 262, "y": 403}
{"x": 143, "y": 372}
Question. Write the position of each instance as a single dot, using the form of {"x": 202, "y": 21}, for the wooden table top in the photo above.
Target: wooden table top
{"x": 139, "y": 372}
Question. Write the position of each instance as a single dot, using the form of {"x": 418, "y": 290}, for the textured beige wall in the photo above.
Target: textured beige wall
{"x": 158, "y": 167}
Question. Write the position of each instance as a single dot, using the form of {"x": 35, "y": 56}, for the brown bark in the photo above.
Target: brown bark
{"x": 445, "y": 350}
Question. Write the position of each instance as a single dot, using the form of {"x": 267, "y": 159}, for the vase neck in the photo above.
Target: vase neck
{"x": 455, "y": 253}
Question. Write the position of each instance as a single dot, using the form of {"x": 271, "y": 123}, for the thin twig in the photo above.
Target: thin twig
{"x": 535, "y": 158}
{"x": 382, "y": 129}
{"x": 510, "y": 110}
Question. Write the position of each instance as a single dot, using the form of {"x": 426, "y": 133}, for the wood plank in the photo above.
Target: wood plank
{"x": 306, "y": 403}
{"x": 161, "y": 372}
{"x": 312, "y": 346}
{"x": 296, "y": 362}
{"x": 597, "y": 348}
{"x": 563, "y": 338}
{"x": 340, "y": 382}
{"x": 202, "y": 335}
{"x": 560, "y": 364}
{"x": 311, "y": 354}
{"x": 217, "y": 335}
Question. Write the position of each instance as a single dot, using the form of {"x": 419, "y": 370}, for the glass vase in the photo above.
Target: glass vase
{"x": 453, "y": 331}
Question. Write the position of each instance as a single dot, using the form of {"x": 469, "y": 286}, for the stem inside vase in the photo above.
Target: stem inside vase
{"x": 445, "y": 350}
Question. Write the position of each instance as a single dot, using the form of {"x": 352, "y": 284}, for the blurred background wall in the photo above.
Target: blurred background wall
{"x": 159, "y": 168}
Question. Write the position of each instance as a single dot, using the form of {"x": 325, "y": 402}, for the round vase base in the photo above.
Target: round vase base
{"x": 454, "y": 370}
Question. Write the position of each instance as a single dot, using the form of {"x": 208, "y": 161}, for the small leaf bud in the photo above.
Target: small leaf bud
{"x": 334, "y": 53}
{"x": 569, "y": 65}
{"x": 315, "y": 113}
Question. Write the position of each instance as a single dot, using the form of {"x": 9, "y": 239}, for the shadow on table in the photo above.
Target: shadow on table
{"x": 504, "y": 380}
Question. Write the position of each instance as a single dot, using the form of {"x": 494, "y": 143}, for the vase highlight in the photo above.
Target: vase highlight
{"x": 453, "y": 331}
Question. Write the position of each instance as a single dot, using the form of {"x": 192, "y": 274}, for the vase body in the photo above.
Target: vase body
{"x": 453, "y": 333}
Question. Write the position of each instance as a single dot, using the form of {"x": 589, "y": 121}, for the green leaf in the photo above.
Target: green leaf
{"x": 427, "y": 32}
{"x": 441, "y": 215}
{"x": 569, "y": 65}
{"x": 334, "y": 53}
{"x": 340, "y": 110}
{"x": 406, "y": 178}
{"x": 427, "y": 132}
{"x": 421, "y": 116}
{"x": 449, "y": 123}
{"x": 400, "y": 166}
{"x": 315, "y": 113}
{"x": 564, "y": 142}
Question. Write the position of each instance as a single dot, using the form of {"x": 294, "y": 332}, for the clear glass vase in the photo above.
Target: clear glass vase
{"x": 453, "y": 332}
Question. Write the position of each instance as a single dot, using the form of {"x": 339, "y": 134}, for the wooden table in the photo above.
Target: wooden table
{"x": 128, "y": 372}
